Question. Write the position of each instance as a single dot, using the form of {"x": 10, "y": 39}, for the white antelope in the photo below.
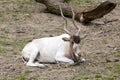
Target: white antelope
{"x": 62, "y": 48}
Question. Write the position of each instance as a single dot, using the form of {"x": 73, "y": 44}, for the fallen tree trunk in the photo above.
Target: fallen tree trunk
{"x": 81, "y": 14}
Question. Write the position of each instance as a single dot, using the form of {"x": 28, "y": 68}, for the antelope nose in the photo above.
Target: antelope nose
{"x": 82, "y": 59}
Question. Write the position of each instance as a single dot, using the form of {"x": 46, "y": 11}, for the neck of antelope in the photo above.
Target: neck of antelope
{"x": 71, "y": 53}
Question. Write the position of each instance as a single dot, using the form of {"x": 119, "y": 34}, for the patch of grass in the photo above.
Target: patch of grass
{"x": 117, "y": 68}
{"x": 28, "y": 15}
{"x": 1, "y": 14}
{"x": 108, "y": 67}
{"x": 98, "y": 76}
{"x": 14, "y": 15}
{"x": 6, "y": 43}
{"x": 3, "y": 36}
{"x": 21, "y": 77}
{"x": 84, "y": 78}
{"x": 77, "y": 78}
{"x": 19, "y": 45}
{"x": 67, "y": 1}
{"x": 12, "y": 43}
{"x": 87, "y": 3}
{"x": 22, "y": 5}
{"x": 117, "y": 54}
{"x": 88, "y": 78}
{"x": 2, "y": 50}
{"x": 26, "y": 72}
{"x": 26, "y": 2}
{"x": 90, "y": 2}
{"x": 4, "y": 78}
{"x": 6, "y": 30}
{"x": 104, "y": 42}
{"x": 16, "y": 11}
{"x": 109, "y": 78}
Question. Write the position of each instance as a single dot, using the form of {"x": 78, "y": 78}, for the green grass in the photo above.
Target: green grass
{"x": 6, "y": 43}
{"x": 1, "y": 14}
{"x": 109, "y": 78}
{"x": 104, "y": 42}
{"x": 17, "y": 45}
{"x": 98, "y": 76}
{"x": 21, "y": 77}
{"x": 25, "y": 2}
{"x": 117, "y": 69}
{"x": 84, "y": 78}
{"x": 18, "y": 77}
{"x": 88, "y": 3}
{"x": 2, "y": 50}
{"x": 67, "y": 1}
{"x": 18, "y": 9}
{"x": 88, "y": 78}
{"x": 117, "y": 54}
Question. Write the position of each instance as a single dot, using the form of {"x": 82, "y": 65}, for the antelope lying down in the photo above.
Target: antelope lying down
{"x": 63, "y": 48}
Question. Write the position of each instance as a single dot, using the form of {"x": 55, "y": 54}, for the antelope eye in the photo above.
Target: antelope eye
{"x": 77, "y": 40}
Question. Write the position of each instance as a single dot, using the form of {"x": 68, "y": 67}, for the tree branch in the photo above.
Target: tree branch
{"x": 81, "y": 14}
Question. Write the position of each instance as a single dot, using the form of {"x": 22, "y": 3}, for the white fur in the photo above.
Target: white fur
{"x": 50, "y": 49}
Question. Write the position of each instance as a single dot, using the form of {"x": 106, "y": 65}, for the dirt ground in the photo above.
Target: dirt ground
{"x": 24, "y": 20}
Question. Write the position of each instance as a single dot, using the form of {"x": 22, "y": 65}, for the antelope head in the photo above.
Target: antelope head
{"x": 74, "y": 39}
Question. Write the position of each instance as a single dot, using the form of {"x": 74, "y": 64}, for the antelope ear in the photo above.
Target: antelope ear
{"x": 65, "y": 39}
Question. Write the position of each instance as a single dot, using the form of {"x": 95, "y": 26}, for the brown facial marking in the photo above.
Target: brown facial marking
{"x": 76, "y": 39}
